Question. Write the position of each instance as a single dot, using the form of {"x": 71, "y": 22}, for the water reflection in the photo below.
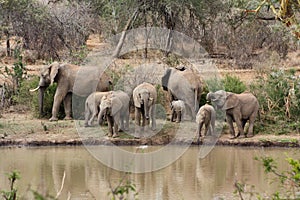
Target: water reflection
{"x": 189, "y": 177}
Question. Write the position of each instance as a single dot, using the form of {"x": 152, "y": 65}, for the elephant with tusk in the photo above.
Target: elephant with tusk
{"x": 65, "y": 75}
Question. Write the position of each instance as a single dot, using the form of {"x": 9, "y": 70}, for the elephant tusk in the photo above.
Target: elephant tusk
{"x": 35, "y": 89}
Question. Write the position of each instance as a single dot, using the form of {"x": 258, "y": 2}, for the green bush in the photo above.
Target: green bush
{"x": 233, "y": 84}
{"x": 228, "y": 83}
{"x": 30, "y": 99}
{"x": 275, "y": 90}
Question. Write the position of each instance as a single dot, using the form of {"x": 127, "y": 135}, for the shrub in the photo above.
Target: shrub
{"x": 278, "y": 94}
{"x": 233, "y": 84}
{"x": 228, "y": 83}
{"x": 30, "y": 99}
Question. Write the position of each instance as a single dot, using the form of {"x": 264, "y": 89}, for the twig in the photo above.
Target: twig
{"x": 62, "y": 186}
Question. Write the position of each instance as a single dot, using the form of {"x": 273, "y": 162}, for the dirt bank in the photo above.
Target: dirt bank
{"x": 21, "y": 129}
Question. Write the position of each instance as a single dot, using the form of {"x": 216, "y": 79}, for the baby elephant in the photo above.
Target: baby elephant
{"x": 92, "y": 107}
{"x": 177, "y": 110}
{"x": 115, "y": 108}
{"x": 207, "y": 116}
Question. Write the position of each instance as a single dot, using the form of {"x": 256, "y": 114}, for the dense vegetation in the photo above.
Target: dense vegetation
{"x": 58, "y": 29}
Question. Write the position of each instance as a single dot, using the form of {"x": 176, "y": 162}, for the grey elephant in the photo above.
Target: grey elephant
{"x": 115, "y": 107}
{"x": 239, "y": 108}
{"x": 65, "y": 76}
{"x": 144, "y": 98}
{"x": 177, "y": 110}
{"x": 92, "y": 107}
{"x": 206, "y": 116}
{"x": 183, "y": 84}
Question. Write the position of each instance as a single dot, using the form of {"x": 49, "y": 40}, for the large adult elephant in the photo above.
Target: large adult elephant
{"x": 144, "y": 98}
{"x": 185, "y": 85}
{"x": 239, "y": 108}
{"x": 65, "y": 76}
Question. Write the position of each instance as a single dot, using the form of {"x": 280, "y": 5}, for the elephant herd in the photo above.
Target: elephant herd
{"x": 184, "y": 88}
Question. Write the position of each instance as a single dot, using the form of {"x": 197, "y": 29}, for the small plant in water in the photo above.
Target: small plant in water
{"x": 124, "y": 190}
{"x": 289, "y": 181}
{"x": 11, "y": 194}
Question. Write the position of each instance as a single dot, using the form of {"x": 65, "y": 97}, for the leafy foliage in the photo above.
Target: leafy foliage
{"x": 11, "y": 194}
{"x": 288, "y": 180}
{"x": 278, "y": 94}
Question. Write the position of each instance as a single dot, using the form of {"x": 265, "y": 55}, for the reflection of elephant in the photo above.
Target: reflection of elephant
{"x": 92, "y": 107}
{"x": 206, "y": 116}
{"x": 115, "y": 107}
{"x": 238, "y": 107}
{"x": 144, "y": 98}
{"x": 177, "y": 110}
{"x": 183, "y": 85}
{"x": 65, "y": 75}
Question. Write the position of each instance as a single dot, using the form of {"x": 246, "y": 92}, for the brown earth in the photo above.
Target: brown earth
{"x": 18, "y": 127}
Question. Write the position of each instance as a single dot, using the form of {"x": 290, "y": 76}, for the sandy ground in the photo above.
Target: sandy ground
{"x": 20, "y": 128}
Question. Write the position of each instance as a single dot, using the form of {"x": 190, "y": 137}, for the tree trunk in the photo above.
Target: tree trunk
{"x": 123, "y": 35}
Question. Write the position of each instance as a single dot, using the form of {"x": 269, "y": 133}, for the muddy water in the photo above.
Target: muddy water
{"x": 188, "y": 178}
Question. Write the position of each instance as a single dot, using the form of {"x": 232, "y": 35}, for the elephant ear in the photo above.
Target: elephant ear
{"x": 136, "y": 100}
{"x": 231, "y": 101}
{"x": 104, "y": 103}
{"x": 116, "y": 105}
{"x": 53, "y": 71}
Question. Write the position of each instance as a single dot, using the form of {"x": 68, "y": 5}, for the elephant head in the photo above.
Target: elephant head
{"x": 143, "y": 99}
{"x": 47, "y": 77}
{"x": 223, "y": 100}
{"x": 110, "y": 106}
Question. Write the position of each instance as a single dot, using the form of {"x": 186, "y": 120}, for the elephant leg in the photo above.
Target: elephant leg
{"x": 110, "y": 125}
{"x": 94, "y": 114}
{"x": 87, "y": 117}
{"x": 212, "y": 128}
{"x": 68, "y": 106}
{"x": 199, "y": 132}
{"x": 121, "y": 122}
{"x": 137, "y": 116}
{"x": 239, "y": 124}
{"x": 172, "y": 115}
{"x": 116, "y": 126}
{"x": 58, "y": 98}
{"x": 230, "y": 124}
{"x": 145, "y": 123}
{"x": 251, "y": 125}
{"x": 206, "y": 129}
{"x": 178, "y": 118}
{"x": 153, "y": 117}
{"x": 126, "y": 119}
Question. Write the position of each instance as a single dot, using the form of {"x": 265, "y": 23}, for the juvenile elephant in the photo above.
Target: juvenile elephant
{"x": 177, "y": 110}
{"x": 239, "y": 108}
{"x": 144, "y": 98}
{"x": 65, "y": 76}
{"x": 206, "y": 116}
{"x": 115, "y": 107}
{"x": 92, "y": 107}
{"x": 184, "y": 84}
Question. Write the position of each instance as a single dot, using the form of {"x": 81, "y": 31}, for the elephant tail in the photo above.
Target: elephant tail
{"x": 196, "y": 100}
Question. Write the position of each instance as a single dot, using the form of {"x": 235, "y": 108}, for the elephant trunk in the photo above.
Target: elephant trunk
{"x": 146, "y": 109}
{"x": 101, "y": 116}
{"x": 41, "y": 100}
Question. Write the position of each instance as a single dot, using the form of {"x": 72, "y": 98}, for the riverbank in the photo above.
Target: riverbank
{"x": 21, "y": 129}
